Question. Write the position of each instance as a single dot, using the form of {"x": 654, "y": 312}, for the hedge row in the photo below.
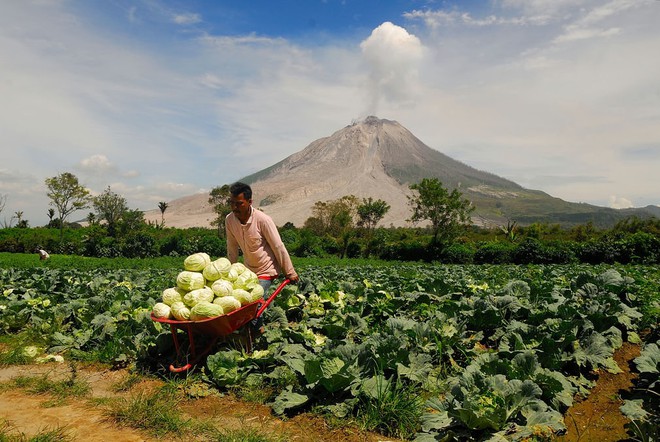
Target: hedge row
{"x": 629, "y": 248}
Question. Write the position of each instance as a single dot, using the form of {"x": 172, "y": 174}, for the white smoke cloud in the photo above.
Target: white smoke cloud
{"x": 393, "y": 56}
{"x": 618, "y": 202}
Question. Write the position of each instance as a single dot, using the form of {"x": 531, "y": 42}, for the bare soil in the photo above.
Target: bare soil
{"x": 30, "y": 414}
{"x": 598, "y": 417}
{"x": 594, "y": 418}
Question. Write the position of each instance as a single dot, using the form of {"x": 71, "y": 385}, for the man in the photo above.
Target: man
{"x": 43, "y": 255}
{"x": 256, "y": 235}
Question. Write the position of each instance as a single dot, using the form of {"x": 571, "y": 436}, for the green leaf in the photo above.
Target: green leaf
{"x": 374, "y": 387}
{"x": 418, "y": 369}
{"x": 649, "y": 360}
{"x": 332, "y": 374}
{"x": 287, "y": 400}
{"x": 634, "y": 409}
{"x": 435, "y": 421}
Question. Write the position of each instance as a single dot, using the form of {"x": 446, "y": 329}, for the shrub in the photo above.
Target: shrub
{"x": 494, "y": 253}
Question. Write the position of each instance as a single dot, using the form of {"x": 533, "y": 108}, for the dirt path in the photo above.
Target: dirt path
{"x": 598, "y": 417}
{"x": 28, "y": 414}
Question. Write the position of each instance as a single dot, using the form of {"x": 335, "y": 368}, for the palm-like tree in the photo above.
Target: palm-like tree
{"x": 163, "y": 207}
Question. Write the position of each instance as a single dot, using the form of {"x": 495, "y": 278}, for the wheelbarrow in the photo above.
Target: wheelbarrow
{"x": 217, "y": 328}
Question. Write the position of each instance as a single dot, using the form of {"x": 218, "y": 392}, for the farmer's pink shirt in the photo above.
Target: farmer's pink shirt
{"x": 263, "y": 250}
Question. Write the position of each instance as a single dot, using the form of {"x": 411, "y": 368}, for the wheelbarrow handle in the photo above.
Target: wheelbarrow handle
{"x": 272, "y": 297}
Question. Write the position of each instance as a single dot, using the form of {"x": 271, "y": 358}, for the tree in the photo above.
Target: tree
{"x": 335, "y": 218}
{"x": 219, "y": 200}
{"x": 20, "y": 222}
{"x": 110, "y": 207}
{"x": 449, "y": 213}
{"x": 163, "y": 207}
{"x": 67, "y": 195}
{"x": 131, "y": 222}
{"x": 370, "y": 213}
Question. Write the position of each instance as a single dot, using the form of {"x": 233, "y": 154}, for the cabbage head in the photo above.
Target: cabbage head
{"x": 222, "y": 287}
{"x": 196, "y": 262}
{"x": 246, "y": 280}
{"x": 216, "y": 269}
{"x": 232, "y": 274}
{"x": 172, "y": 295}
{"x": 161, "y": 310}
{"x": 180, "y": 311}
{"x": 188, "y": 281}
{"x": 239, "y": 267}
{"x": 243, "y": 296}
{"x": 205, "y": 310}
{"x": 257, "y": 292}
{"x": 228, "y": 303}
{"x": 194, "y": 297}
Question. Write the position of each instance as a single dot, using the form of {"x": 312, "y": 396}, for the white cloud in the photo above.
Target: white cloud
{"x": 186, "y": 18}
{"x": 618, "y": 202}
{"x": 97, "y": 164}
{"x": 393, "y": 56}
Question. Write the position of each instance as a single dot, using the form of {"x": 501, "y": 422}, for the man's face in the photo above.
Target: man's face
{"x": 240, "y": 206}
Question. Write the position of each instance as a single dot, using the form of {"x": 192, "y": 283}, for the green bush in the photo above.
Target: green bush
{"x": 494, "y": 253}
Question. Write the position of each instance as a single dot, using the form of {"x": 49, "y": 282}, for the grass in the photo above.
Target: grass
{"x": 29, "y": 260}
{"x": 12, "y": 347}
{"x": 9, "y": 434}
{"x": 157, "y": 413}
{"x": 127, "y": 382}
{"x": 392, "y": 409}
{"x": 60, "y": 390}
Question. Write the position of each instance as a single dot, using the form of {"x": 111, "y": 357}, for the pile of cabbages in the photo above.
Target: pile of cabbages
{"x": 206, "y": 289}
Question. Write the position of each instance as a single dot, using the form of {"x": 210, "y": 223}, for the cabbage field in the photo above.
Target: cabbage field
{"x": 436, "y": 352}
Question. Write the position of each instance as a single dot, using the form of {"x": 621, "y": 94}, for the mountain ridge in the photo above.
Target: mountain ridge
{"x": 380, "y": 158}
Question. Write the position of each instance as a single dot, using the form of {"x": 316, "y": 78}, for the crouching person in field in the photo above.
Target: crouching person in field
{"x": 43, "y": 255}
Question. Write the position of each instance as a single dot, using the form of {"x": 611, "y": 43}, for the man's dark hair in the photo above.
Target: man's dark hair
{"x": 237, "y": 188}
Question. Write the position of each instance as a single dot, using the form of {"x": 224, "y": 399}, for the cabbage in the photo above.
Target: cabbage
{"x": 205, "y": 310}
{"x": 180, "y": 311}
{"x": 228, "y": 303}
{"x": 222, "y": 287}
{"x": 172, "y": 295}
{"x": 232, "y": 274}
{"x": 239, "y": 267}
{"x": 216, "y": 269}
{"x": 196, "y": 262}
{"x": 161, "y": 310}
{"x": 246, "y": 280}
{"x": 188, "y": 281}
{"x": 195, "y": 296}
{"x": 257, "y": 292}
{"x": 243, "y": 296}
{"x": 30, "y": 351}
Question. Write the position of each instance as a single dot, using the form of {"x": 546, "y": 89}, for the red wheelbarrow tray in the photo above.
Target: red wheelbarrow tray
{"x": 217, "y": 327}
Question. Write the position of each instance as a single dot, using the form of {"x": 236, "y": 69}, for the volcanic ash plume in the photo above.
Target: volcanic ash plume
{"x": 393, "y": 56}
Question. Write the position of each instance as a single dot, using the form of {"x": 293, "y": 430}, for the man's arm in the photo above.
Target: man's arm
{"x": 274, "y": 240}
{"x": 232, "y": 244}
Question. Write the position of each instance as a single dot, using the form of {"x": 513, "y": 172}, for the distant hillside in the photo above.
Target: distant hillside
{"x": 380, "y": 158}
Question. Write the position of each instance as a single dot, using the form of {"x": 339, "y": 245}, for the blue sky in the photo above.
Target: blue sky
{"x": 160, "y": 99}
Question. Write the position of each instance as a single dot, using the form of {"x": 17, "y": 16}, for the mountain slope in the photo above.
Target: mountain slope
{"x": 380, "y": 158}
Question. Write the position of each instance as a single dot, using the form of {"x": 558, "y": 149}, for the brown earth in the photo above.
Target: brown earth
{"x": 594, "y": 418}
{"x": 29, "y": 414}
{"x": 597, "y": 417}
